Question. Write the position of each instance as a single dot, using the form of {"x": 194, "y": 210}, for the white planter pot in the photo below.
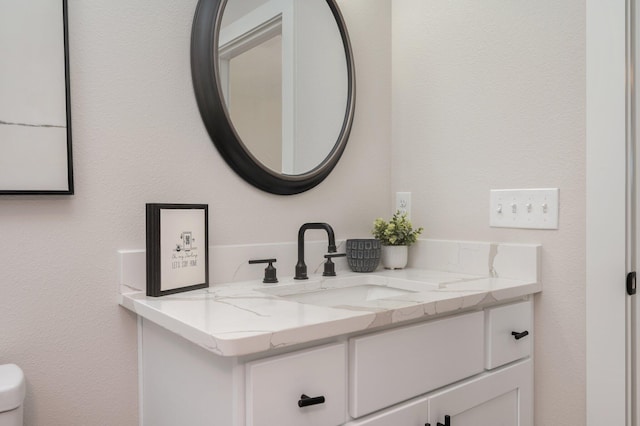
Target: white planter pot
{"x": 395, "y": 257}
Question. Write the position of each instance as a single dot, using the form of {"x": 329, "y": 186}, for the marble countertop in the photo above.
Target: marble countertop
{"x": 248, "y": 317}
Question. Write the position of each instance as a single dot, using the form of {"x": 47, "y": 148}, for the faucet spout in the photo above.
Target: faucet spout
{"x": 301, "y": 267}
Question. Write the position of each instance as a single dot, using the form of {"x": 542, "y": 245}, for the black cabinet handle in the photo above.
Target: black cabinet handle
{"x": 520, "y": 335}
{"x": 447, "y": 421}
{"x": 305, "y": 400}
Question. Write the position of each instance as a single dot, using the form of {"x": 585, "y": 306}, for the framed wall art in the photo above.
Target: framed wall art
{"x": 177, "y": 248}
{"x": 35, "y": 119}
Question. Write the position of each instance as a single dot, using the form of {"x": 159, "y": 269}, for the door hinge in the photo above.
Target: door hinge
{"x": 631, "y": 283}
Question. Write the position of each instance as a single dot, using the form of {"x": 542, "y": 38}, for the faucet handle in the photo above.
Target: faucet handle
{"x": 270, "y": 276}
{"x": 330, "y": 255}
{"x": 329, "y": 266}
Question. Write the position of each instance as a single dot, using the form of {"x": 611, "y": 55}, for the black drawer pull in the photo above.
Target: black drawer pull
{"x": 519, "y": 336}
{"x": 447, "y": 421}
{"x": 305, "y": 400}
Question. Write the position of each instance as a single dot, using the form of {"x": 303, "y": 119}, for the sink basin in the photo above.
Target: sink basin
{"x": 348, "y": 291}
{"x": 346, "y": 295}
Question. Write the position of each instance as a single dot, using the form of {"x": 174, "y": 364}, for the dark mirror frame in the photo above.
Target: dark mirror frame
{"x": 204, "y": 71}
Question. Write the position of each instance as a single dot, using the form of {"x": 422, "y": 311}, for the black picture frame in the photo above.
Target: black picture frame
{"x": 177, "y": 248}
{"x": 25, "y": 134}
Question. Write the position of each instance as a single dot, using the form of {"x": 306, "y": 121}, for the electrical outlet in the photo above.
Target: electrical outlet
{"x": 524, "y": 208}
{"x": 403, "y": 203}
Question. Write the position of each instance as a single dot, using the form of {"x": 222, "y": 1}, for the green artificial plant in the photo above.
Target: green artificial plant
{"x": 397, "y": 232}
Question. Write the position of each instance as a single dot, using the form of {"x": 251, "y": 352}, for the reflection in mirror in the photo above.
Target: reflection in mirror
{"x": 255, "y": 81}
{"x": 284, "y": 78}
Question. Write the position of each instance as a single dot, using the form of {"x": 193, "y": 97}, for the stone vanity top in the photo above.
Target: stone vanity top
{"x": 248, "y": 317}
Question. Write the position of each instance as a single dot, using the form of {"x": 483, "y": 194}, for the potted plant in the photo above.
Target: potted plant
{"x": 396, "y": 236}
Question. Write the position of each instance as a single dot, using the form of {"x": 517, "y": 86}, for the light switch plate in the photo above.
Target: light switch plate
{"x": 524, "y": 208}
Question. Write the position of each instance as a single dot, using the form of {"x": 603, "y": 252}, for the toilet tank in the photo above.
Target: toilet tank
{"x": 12, "y": 391}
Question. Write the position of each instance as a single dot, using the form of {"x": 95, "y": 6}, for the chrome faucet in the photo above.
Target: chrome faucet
{"x": 301, "y": 267}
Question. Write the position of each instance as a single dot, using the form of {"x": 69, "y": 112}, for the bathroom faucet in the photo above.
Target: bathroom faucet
{"x": 301, "y": 267}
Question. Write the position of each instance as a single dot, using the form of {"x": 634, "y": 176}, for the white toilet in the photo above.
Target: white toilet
{"x": 12, "y": 391}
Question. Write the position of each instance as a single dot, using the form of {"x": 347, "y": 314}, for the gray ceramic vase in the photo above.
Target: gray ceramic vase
{"x": 363, "y": 255}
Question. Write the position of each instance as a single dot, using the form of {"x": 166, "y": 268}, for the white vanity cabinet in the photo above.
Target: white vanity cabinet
{"x": 470, "y": 367}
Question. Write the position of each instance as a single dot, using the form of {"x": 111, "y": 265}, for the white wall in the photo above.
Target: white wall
{"x": 138, "y": 138}
{"x": 488, "y": 95}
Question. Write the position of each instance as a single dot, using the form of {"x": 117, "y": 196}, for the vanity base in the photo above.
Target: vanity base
{"x": 182, "y": 383}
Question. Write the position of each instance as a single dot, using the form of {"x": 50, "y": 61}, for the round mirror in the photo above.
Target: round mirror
{"x": 274, "y": 82}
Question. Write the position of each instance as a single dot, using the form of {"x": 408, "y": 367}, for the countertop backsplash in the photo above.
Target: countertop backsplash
{"x": 229, "y": 263}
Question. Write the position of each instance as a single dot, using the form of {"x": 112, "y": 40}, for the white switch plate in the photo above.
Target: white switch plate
{"x": 403, "y": 203}
{"x": 524, "y": 208}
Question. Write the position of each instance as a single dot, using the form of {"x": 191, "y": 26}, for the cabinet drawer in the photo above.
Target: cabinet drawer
{"x": 275, "y": 386}
{"x": 501, "y": 322}
{"x": 397, "y": 365}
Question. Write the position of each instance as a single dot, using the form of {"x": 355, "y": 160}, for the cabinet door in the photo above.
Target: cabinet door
{"x": 275, "y": 388}
{"x": 413, "y": 413}
{"x": 503, "y": 397}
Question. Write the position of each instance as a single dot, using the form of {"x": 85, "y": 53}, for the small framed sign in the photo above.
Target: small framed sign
{"x": 177, "y": 248}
